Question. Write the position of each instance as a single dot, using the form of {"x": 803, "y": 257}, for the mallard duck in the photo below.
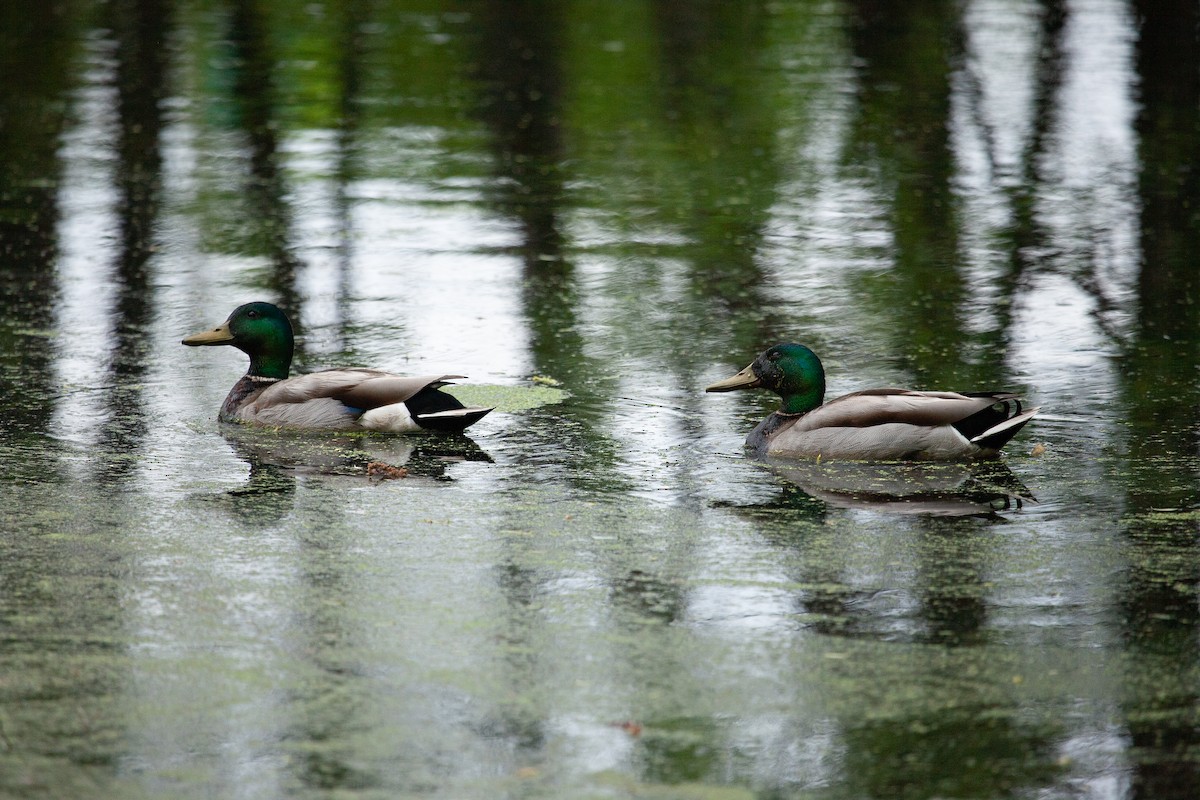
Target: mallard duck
{"x": 328, "y": 400}
{"x": 875, "y": 424}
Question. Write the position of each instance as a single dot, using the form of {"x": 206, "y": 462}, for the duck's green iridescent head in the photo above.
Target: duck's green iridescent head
{"x": 792, "y": 371}
{"x": 261, "y": 331}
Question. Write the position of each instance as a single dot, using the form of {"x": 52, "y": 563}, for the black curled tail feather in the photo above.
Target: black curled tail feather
{"x": 430, "y": 401}
{"x": 440, "y": 411}
{"x": 1005, "y": 408}
{"x": 991, "y": 428}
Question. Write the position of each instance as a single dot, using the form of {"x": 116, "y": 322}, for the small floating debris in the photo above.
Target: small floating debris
{"x": 1038, "y": 449}
{"x": 385, "y": 471}
{"x": 634, "y": 729}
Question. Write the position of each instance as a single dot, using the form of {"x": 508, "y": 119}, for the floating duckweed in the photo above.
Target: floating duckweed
{"x": 507, "y": 399}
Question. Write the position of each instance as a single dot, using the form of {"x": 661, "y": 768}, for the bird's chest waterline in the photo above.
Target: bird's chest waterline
{"x": 242, "y": 393}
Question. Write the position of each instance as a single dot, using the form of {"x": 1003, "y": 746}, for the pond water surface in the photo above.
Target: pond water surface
{"x": 594, "y": 210}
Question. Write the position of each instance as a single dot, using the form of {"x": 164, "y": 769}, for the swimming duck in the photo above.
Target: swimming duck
{"x": 328, "y": 400}
{"x": 875, "y": 424}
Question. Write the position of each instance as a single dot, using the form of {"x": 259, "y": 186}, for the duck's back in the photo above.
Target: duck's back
{"x": 331, "y": 399}
{"x": 357, "y": 387}
{"x": 882, "y": 424}
{"x": 877, "y": 406}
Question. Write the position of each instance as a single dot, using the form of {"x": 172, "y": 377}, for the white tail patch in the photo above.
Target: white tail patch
{"x": 392, "y": 418}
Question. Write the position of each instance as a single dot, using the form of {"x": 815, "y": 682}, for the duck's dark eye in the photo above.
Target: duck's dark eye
{"x": 252, "y": 314}
{"x": 774, "y": 355}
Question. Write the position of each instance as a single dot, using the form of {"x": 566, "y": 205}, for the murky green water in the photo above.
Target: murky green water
{"x": 594, "y": 210}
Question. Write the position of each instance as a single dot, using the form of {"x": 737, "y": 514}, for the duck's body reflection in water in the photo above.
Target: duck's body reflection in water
{"x": 935, "y": 489}
{"x": 296, "y": 454}
{"x": 278, "y": 460}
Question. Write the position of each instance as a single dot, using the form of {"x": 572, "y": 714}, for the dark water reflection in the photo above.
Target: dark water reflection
{"x": 36, "y": 112}
{"x": 1160, "y": 612}
{"x": 140, "y": 75}
{"x": 599, "y": 595}
{"x": 901, "y": 140}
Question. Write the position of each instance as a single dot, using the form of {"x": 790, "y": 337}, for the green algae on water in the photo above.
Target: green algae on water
{"x": 507, "y": 399}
